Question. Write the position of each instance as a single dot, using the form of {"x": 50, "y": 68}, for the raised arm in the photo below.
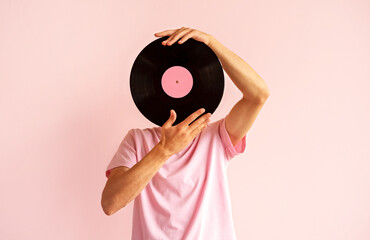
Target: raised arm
{"x": 254, "y": 89}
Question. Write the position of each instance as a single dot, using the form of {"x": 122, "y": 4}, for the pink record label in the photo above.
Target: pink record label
{"x": 177, "y": 81}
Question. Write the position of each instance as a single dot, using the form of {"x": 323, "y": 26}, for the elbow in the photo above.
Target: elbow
{"x": 110, "y": 207}
{"x": 263, "y": 96}
{"x": 108, "y": 211}
{"x": 259, "y": 97}
{"x": 107, "y": 208}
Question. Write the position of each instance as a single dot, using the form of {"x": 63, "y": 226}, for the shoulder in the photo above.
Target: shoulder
{"x": 213, "y": 128}
{"x": 215, "y": 125}
{"x": 145, "y": 134}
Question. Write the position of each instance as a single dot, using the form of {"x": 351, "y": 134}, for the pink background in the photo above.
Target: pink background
{"x": 65, "y": 106}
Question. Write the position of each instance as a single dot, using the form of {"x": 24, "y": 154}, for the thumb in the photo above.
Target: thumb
{"x": 171, "y": 119}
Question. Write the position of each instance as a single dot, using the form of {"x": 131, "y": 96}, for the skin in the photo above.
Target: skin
{"x": 125, "y": 184}
{"x": 254, "y": 89}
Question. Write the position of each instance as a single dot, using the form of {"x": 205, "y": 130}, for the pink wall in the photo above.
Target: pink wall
{"x": 65, "y": 105}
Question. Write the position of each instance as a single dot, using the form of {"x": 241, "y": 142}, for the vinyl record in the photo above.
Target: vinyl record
{"x": 183, "y": 77}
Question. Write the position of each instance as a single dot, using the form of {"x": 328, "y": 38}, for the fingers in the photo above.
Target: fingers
{"x": 199, "y": 122}
{"x": 179, "y": 34}
{"x": 203, "y": 124}
{"x": 175, "y": 34}
{"x": 171, "y": 35}
{"x": 191, "y": 34}
{"x": 192, "y": 117}
{"x": 171, "y": 119}
{"x": 165, "y": 33}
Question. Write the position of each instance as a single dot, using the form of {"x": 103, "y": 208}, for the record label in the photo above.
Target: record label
{"x": 177, "y": 82}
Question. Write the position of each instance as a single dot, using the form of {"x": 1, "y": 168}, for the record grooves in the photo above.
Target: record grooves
{"x": 184, "y": 77}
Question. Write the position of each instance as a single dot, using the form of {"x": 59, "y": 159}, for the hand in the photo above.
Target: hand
{"x": 176, "y": 138}
{"x": 184, "y": 33}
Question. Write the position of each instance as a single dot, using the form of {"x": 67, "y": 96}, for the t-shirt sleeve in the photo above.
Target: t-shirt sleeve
{"x": 230, "y": 149}
{"x": 125, "y": 155}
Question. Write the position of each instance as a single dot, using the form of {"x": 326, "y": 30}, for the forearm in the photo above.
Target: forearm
{"x": 126, "y": 186}
{"x": 244, "y": 77}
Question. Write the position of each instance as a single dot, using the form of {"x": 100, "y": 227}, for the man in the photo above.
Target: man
{"x": 177, "y": 174}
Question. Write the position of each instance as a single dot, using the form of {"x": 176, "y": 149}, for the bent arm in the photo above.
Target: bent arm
{"x": 241, "y": 73}
{"x": 252, "y": 86}
{"x": 124, "y": 186}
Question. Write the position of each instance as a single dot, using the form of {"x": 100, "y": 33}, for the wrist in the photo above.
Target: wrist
{"x": 210, "y": 41}
{"x": 162, "y": 151}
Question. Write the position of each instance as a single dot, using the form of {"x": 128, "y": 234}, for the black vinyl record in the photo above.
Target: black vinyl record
{"x": 183, "y": 77}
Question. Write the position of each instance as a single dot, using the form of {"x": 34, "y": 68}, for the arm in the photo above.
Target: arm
{"x": 124, "y": 185}
{"x": 254, "y": 90}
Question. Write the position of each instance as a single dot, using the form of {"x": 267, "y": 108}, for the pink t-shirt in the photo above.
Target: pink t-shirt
{"x": 188, "y": 198}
